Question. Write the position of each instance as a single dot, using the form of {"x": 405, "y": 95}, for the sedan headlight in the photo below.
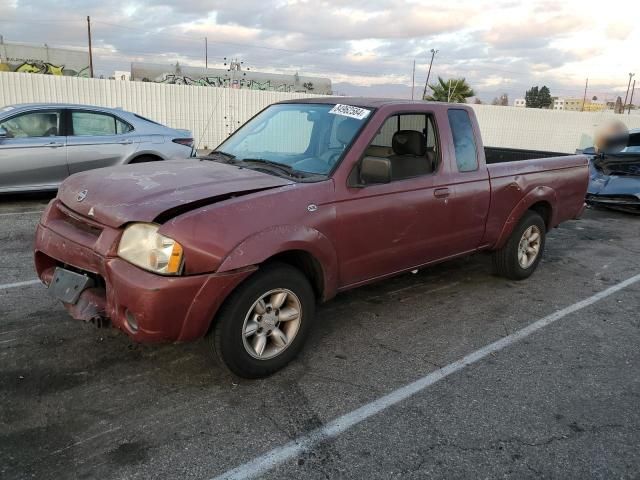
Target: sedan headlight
{"x": 142, "y": 245}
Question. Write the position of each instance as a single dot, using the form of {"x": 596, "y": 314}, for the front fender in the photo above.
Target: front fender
{"x": 282, "y": 238}
{"x": 538, "y": 194}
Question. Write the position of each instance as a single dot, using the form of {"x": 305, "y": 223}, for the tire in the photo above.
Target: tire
{"x": 508, "y": 261}
{"x": 245, "y": 354}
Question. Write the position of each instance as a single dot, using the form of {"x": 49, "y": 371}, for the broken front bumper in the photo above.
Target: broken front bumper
{"x": 625, "y": 203}
{"x": 146, "y": 306}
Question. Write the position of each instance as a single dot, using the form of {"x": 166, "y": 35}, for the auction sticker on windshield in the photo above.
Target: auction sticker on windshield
{"x": 350, "y": 111}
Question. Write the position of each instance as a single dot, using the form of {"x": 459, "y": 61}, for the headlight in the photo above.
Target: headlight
{"x": 142, "y": 245}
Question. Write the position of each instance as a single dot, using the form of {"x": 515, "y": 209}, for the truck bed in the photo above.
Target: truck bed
{"x": 566, "y": 175}
{"x": 501, "y": 155}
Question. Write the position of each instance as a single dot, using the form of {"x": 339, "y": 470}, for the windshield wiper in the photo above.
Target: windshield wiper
{"x": 281, "y": 166}
{"x": 219, "y": 153}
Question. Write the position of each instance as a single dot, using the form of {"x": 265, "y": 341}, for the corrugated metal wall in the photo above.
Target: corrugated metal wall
{"x": 211, "y": 113}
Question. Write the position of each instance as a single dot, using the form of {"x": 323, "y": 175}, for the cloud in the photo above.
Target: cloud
{"x": 496, "y": 44}
{"x": 532, "y": 33}
{"x": 619, "y": 30}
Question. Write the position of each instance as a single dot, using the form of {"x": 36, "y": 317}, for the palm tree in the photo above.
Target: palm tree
{"x": 455, "y": 90}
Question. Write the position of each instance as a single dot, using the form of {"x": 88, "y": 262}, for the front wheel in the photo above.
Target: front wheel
{"x": 264, "y": 323}
{"x": 520, "y": 256}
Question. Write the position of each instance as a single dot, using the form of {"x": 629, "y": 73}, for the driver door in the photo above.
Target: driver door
{"x": 33, "y": 152}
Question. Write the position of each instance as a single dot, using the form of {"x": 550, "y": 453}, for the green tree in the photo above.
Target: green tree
{"x": 545, "y": 97}
{"x": 532, "y": 97}
{"x": 538, "y": 97}
{"x": 455, "y": 90}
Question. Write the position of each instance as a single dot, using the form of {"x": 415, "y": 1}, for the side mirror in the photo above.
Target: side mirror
{"x": 3, "y": 133}
{"x": 375, "y": 170}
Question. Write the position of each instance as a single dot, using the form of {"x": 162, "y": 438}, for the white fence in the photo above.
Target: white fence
{"x": 211, "y": 113}
{"x": 553, "y": 130}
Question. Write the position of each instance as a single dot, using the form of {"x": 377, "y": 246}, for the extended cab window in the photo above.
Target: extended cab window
{"x": 34, "y": 124}
{"x": 97, "y": 124}
{"x": 409, "y": 142}
{"x": 464, "y": 140}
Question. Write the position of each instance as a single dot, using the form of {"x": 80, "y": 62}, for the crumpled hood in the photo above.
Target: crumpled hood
{"x": 117, "y": 195}
{"x": 602, "y": 184}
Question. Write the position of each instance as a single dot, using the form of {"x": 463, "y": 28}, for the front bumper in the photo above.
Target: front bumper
{"x": 625, "y": 203}
{"x": 146, "y": 306}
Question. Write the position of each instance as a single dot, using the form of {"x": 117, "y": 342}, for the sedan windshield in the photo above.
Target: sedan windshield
{"x": 303, "y": 137}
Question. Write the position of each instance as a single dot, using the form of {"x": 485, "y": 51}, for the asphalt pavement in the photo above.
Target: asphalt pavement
{"x": 562, "y": 401}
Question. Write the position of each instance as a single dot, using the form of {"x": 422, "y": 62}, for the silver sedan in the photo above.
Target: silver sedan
{"x": 42, "y": 144}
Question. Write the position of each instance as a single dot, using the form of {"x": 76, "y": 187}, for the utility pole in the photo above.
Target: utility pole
{"x": 413, "y": 79}
{"x": 206, "y": 53}
{"x": 627, "y": 95}
{"x": 584, "y": 99}
{"x": 90, "y": 52}
{"x": 633, "y": 89}
{"x": 426, "y": 84}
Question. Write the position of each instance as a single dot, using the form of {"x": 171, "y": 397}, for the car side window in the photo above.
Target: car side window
{"x": 95, "y": 124}
{"x": 122, "y": 127}
{"x": 410, "y": 144}
{"x": 33, "y": 124}
{"x": 464, "y": 140}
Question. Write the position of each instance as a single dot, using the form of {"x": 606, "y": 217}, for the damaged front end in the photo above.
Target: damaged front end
{"x": 614, "y": 174}
{"x": 614, "y": 182}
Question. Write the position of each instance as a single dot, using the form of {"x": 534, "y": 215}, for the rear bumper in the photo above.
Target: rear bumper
{"x": 163, "y": 309}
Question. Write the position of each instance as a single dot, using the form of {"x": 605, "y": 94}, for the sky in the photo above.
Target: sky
{"x": 366, "y": 47}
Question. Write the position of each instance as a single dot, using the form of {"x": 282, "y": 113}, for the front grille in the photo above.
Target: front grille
{"x": 79, "y": 222}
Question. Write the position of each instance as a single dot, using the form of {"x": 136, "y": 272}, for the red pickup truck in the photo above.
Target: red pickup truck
{"x": 307, "y": 199}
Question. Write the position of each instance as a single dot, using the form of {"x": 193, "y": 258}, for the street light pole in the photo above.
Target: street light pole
{"x": 90, "y": 52}
{"x": 584, "y": 99}
{"x": 206, "y": 53}
{"x": 627, "y": 95}
{"x": 426, "y": 84}
{"x": 633, "y": 89}
{"x": 413, "y": 80}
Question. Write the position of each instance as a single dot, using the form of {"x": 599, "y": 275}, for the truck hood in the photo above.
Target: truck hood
{"x": 144, "y": 192}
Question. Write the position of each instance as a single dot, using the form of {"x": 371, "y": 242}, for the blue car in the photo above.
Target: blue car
{"x": 614, "y": 180}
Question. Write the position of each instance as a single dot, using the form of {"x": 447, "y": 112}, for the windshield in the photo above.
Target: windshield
{"x": 304, "y": 137}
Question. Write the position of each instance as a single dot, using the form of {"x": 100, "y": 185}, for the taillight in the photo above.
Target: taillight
{"x": 184, "y": 141}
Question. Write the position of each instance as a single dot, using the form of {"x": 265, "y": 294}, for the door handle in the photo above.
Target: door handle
{"x": 54, "y": 145}
{"x": 126, "y": 142}
{"x": 441, "y": 192}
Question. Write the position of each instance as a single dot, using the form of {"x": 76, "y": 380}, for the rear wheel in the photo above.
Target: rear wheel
{"x": 520, "y": 256}
{"x": 264, "y": 323}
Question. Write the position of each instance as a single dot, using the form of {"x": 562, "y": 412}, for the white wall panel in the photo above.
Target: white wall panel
{"x": 211, "y": 113}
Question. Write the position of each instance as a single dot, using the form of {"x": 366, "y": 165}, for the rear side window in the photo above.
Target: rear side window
{"x": 464, "y": 140}
{"x": 97, "y": 124}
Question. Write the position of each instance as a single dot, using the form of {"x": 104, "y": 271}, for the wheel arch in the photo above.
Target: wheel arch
{"x": 302, "y": 247}
{"x": 138, "y": 156}
{"x": 540, "y": 200}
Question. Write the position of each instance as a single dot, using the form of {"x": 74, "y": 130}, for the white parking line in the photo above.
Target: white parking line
{"x": 19, "y": 284}
{"x": 269, "y": 460}
{"x": 29, "y": 212}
